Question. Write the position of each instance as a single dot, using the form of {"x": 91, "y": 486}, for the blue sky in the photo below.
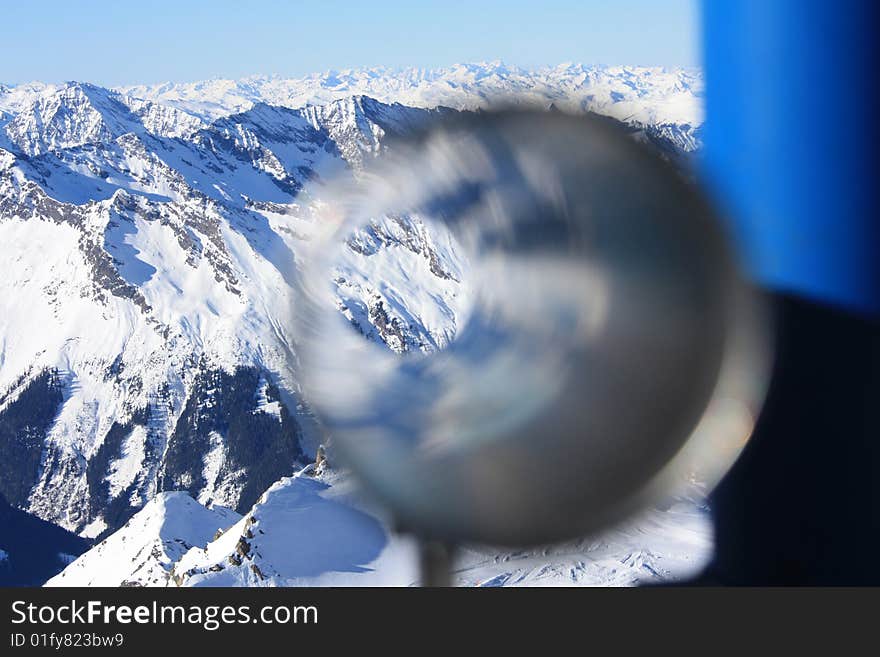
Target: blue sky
{"x": 121, "y": 42}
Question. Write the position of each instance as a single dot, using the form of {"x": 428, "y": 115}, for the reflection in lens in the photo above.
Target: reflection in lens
{"x": 522, "y": 326}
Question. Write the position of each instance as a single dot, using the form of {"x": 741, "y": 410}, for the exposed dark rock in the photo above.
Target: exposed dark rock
{"x": 259, "y": 448}
{"x": 28, "y": 411}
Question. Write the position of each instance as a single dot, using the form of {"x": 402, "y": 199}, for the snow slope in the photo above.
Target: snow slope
{"x": 310, "y": 530}
{"x": 145, "y": 549}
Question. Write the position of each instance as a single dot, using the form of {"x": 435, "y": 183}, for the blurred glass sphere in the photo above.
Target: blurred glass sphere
{"x": 602, "y": 348}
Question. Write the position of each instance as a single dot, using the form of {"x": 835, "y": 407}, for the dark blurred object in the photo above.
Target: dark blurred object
{"x": 790, "y": 154}
{"x": 611, "y": 352}
{"x": 800, "y": 506}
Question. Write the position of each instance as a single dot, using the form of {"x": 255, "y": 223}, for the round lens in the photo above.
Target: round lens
{"x": 521, "y": 326}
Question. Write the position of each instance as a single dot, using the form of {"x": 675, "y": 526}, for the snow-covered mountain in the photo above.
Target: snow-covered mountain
{"x": 146, "y": 548}
{"x": 649, "y": 95}
{"x": 669, "y": 102}
{"x": 313, "y": 530}
{"x": 150, "y": 237}
{"x": 156, "y": 254}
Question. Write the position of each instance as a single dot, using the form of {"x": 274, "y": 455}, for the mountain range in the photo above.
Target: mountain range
{"x": 151, "y": 236}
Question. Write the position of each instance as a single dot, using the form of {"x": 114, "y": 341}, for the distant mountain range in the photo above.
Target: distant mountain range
{"x": 151, "y": 235}
{"x": 648, "y": 95}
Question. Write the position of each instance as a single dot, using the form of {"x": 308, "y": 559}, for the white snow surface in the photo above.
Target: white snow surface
{"x": 147, "y": 547}
{"x": 311, "y": 530}
{"x": 124, "y": 470}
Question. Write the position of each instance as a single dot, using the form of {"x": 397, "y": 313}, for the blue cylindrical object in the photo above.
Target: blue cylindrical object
{"x": 789, "y": 152}
{"x": 790, "y": 141}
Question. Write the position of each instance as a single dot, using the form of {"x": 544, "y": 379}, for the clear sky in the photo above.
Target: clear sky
{"x": 119, "y": 42}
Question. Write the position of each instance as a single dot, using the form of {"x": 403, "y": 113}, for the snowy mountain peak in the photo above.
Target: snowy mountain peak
{"x": 73, "y": 115}
{"x": 163, "y": 120}
{"x": 301, "y": 529}
{"x": 145, "y": 549}
{"x": 312, "y": 530}
{"x": 359, "y": 123}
